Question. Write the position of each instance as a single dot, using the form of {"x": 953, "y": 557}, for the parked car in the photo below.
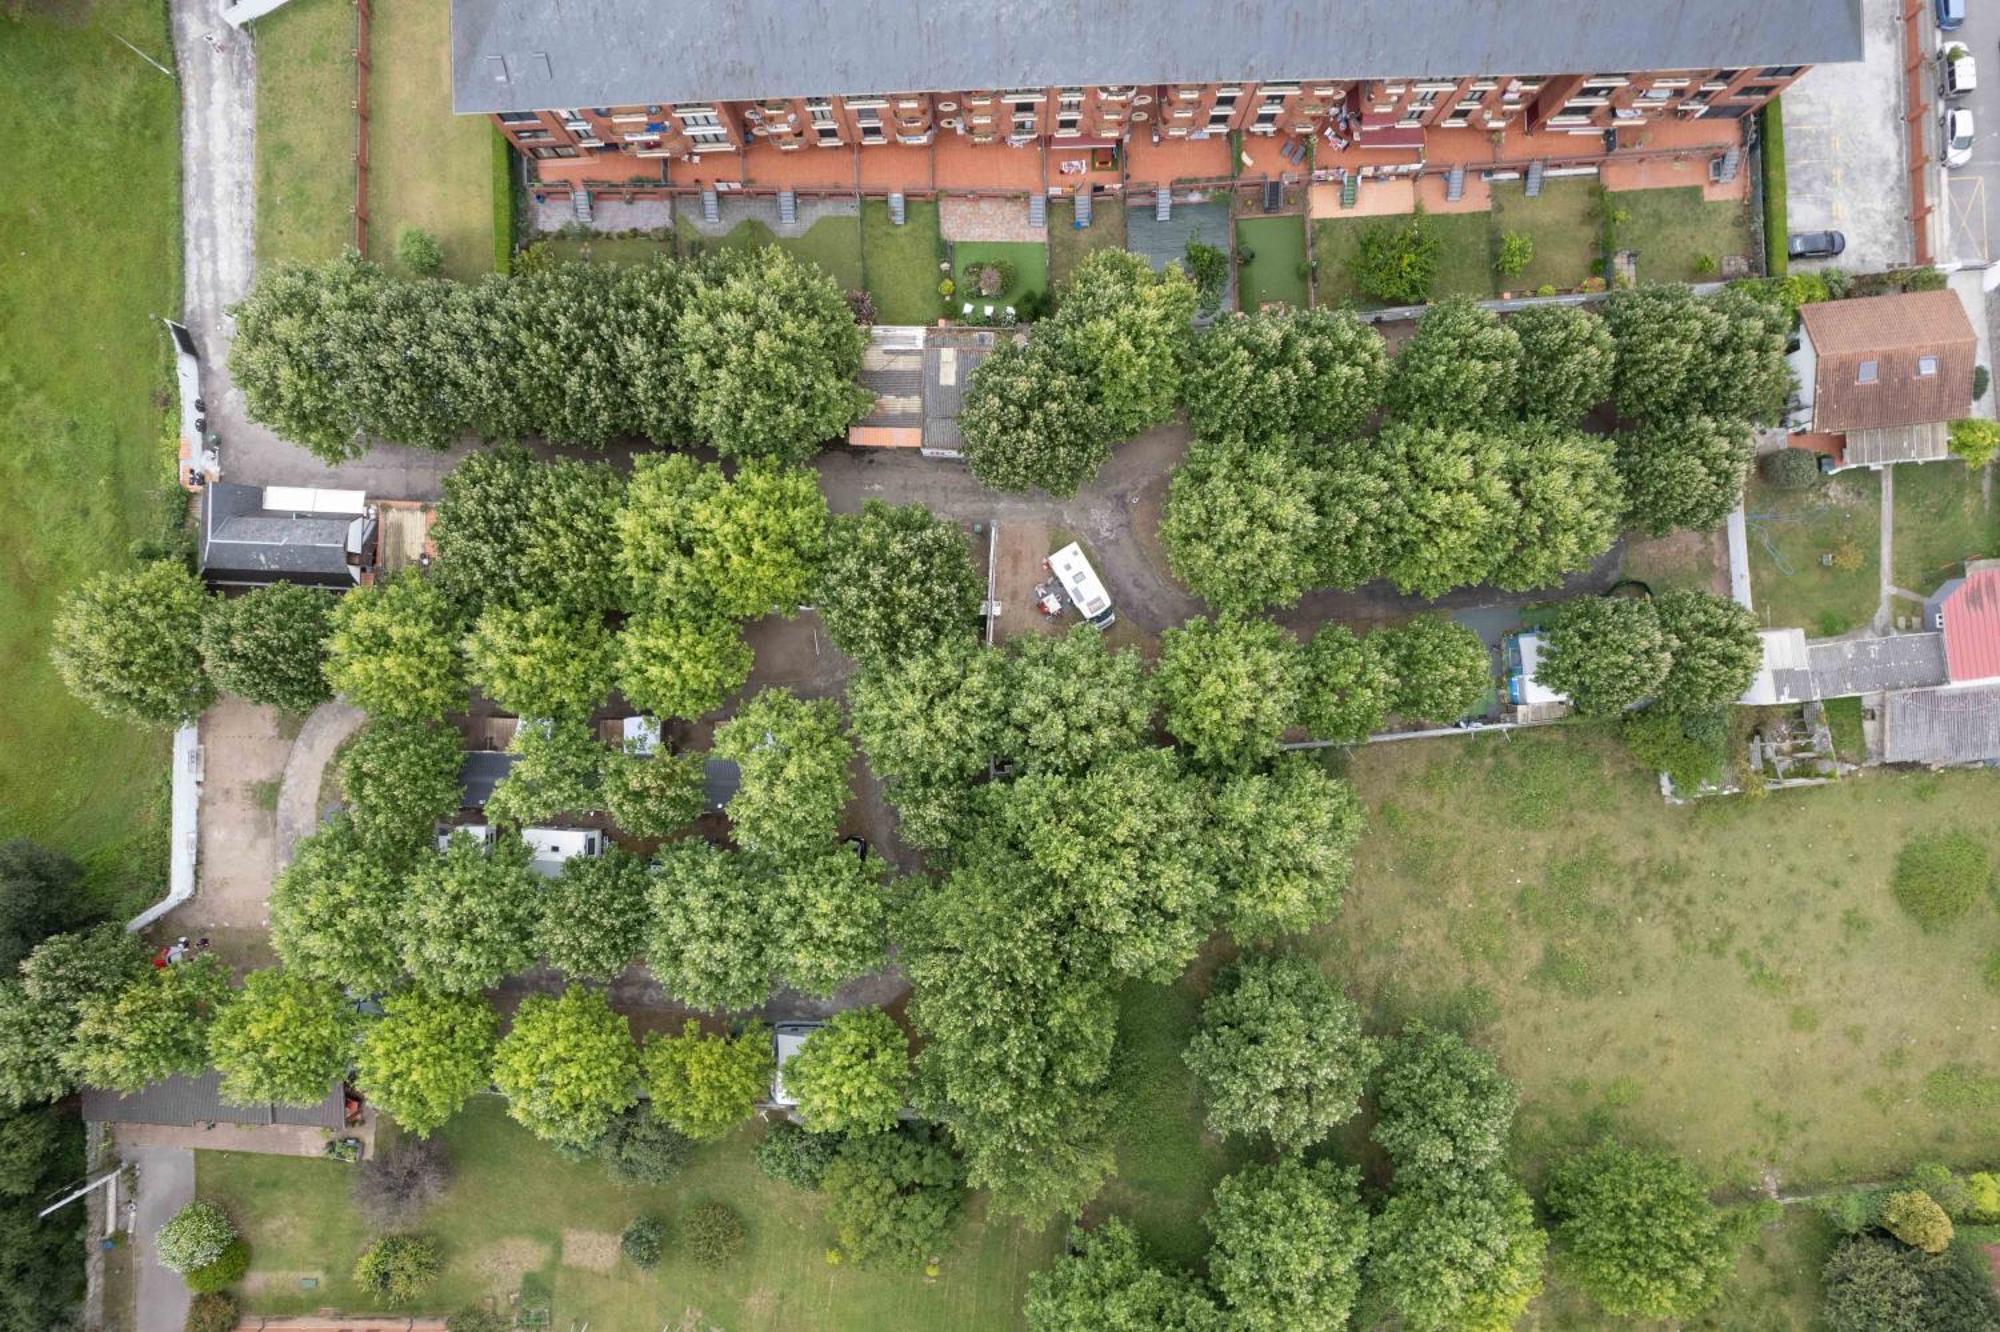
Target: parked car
{"x": 786, "y": 1040}
{"x": 1956, "y": 124}
{"x": 1956, "y": 74}
{"x": 1950, "y": 14}
{"x": 1815, "y": 244}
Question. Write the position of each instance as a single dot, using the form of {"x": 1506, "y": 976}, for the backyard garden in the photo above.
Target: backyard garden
{"x": 305, "y": 137}
{"x": 1945, "y": 514}
{"x": 1815, "y": 549}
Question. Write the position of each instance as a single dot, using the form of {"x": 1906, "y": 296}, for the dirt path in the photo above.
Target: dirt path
{"x": 298, "y": 792}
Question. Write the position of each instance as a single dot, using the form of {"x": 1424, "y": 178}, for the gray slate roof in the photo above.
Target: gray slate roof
{"x": 1845, "y": 667}
{"x": 522, "y": 55}
{"x": 480, "y": 771}
{"x": 241, "y": 542}
{"x": 184, "y": 1102}
{"x": 1942, "y": 727}
{"x": 720, "y": 778}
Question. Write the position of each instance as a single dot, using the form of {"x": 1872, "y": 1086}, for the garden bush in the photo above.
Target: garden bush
{"x": 713, "y": 1234}
{"x": 1914, "y": 1217}
{"x": 643, "y": 1241}
{"x": 1397, "y": 260}
{"x": 194, "y": 1237}
{"x": 1790, "y": 469}
{"x": 796, "y": 1155}
{"x": 474, "y": 1318}
{"x": 1938, "y": 878}
{"x": 641, "y": 1149}
{"x": 223, "y": 1273}
{"x": 399, "y": 1267}
{"x": 216, "y": 1311}
{"x": 1982, "y": 1198}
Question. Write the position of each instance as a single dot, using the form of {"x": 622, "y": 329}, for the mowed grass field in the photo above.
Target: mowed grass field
{"x": 515, "y": 1207}
{"x": 89, "y": 259}
{"x": 1946, "y": 514}
{"x": 427, "y": 167}
{"x": 305, "y": 133}
{"x": 1792, "y": 530}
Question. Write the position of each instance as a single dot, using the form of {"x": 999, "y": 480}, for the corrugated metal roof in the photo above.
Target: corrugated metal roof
{"x": 521, "y": 55}
{"x": 1972, "y": 627}
{"x": 1868, "y": 361}
{"x": 1942, "y": 727}
{"x": 1845, "y": 667}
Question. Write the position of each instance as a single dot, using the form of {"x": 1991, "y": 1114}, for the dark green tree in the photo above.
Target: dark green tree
{"x": 897, "y": 582}
{"x": 400, "y": 779}
{"x": 1685, "y": 473}
{"x": 793, "y": 755}
{"x": 269, "y": 645}
{"x": 1440, "y": 670}
{"x": 1069, "y": 702}
{"x": 1462, "y": 368}
{"x": 1635, "y": 1230}
{"x": 128, "y": 644}
{"x": 1568, "y": 361}
{"x": 1715, "y": 646}
{"x": 711, "y": 944}
{"x": 1228, "y": 688}
{"x": 594, "y": 916}
{"x": 1289, "y": 1239}
{"x": 1103, "y": 1283}
{"x": 1461, "y": 1254}
{"x": 1606, "y": 653}
{"x": 893, "y": 1196}
{"x": 1292, "y": 374}
{"x": 336, "y": 910}
{"x": 1241, "y": 524}
{"x": 1284, "y": 842}
{"x": 1031, "y": 421}
{"x": 469, "y": 915}
{"x": 1442, "y": 1108}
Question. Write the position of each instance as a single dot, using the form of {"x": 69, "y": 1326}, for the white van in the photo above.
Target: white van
{"x": 1080, "y": 584}
{"x": 1956, "y": 75}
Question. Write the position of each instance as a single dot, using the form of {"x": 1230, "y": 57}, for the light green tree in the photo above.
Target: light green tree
{"x": 269, "y": 644}
{"x": 128, "y": 644}
{"x": 426, "y": 1056}
{"x": 283, "y": 1037}
{"x": 1228, "y": 688}
{"x": 567, "y": 1066}
{"x": 852, "y": 1075}
{"x": 541, "y": 662}
{"x": 469, "y": 915}
{"x": 395, "y": 649}
{"x": 152, "y": 1029}
{"x": 793, "y": 755}
{"x": 1240, "y": 525}
{"x": 676, "y": 664}
{"x": 706, "y": 1085}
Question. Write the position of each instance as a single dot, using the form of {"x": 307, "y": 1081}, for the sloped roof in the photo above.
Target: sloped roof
{"x": 1893, "y": 332}
{"x": 1942, "y": 727}
{"x": 185, "y": 1101}
{"x": 522, "y": 55}
{"x": 1843, "y": 667}
{"x": 1972, "y": 627}
{"x": 242, "y": 542}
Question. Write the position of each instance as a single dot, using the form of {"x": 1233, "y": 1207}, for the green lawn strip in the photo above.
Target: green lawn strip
{"x": 1673, "y": 230}
{"x": 93, "y": 258}
{"x": 427, "y": 167}
{"x": 305, "y": 131}
{"x": 1793, "y": 531}
{"x": 1843, "y": 718}
{"x": 1562, "y": 221}
{"x": 1068, "y": 243}
{"x": 1771, "y": 125}
{"x": 506, "y": 201}
{"x": 901, "y": 263}
{"x": 1277, "y": 273}
{"x": 1335, "y": 241}
{"x": 512, "y": 1199}
{"x": 1467, "y": 246}
{"x": 1030, "y": 263}
{"x": 1943, "y": 518}
{"x": 833, "y": 243}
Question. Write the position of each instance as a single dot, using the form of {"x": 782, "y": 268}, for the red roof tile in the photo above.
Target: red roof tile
{"x": 1972, "y": 628}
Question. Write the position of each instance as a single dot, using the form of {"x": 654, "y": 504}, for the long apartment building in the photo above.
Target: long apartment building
{"x": 684, "y": 82}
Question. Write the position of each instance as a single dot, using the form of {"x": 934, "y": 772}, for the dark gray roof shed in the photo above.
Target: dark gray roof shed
{"x": 528, "y": 55}
{"x": 185, "y": 1102}
{"x": 245, "y": 544}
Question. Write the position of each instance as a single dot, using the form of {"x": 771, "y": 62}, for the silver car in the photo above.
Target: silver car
{"x": 1955, "y": 124}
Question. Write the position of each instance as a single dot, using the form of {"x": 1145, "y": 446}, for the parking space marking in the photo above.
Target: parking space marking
{"x": 1965, "y": 213}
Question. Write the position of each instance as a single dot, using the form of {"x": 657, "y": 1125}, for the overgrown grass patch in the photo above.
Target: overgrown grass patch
{"x": 1467, "y": 245}
{"x": 305, "y": 130}
{"x": 1277, "y": 272}
{"x": 1563, "y": 224}
{"x": 1945, "y": 514}
{"x": 1815, "y": 552}
{"x": 1674, "y": 230}
{"x": 1068, "y": 243}
{"x": 901, "y": 263}
{"x": 428, "y": 168}
{"x": 1942, "y": 876}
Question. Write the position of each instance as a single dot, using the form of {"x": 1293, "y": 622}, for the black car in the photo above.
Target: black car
{"x": 1815, "y": 244}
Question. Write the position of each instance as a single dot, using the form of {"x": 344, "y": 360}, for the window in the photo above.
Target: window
{"x": 518, "y": 118}
{"x": 697, "y": 120}
{"x": 1926, "y": 366}
{"x": 1866, "y": 374}
{"x": 1779, "y": 71}
{"x": 533, "y": 136}
{"x": 1726, "y": 111}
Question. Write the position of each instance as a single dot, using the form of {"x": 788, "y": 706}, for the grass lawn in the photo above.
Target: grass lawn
{"x": 1843, "y": 718}
{"x": 513, "y": 1201}
{"x": 1943, "y": 518}
{"x": 1563, "y": 222}
{"x": 1068, "y": 244}
{"x": 305, "y": 134}
{"x": 427, "y": 167}
{"x": 1277, "y": 272}
{"x": 1672, "y": 230}
{"x": 1335, "y": 241}
{"x": 1465, "y": 254}
{"x": 1685, "y": 559}
{"x": 834, "y": 243}
{"x": 901, "y": 263}
{"x": 608, "y": 249}
{"x": 91, "y": 240}
{"x": 1790, "y": 530}
{"x": 1030, "y": 263}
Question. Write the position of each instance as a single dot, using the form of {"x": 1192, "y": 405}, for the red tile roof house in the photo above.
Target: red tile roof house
{"x": 1887, "y": 375}
{"x": 1959, "y": 722}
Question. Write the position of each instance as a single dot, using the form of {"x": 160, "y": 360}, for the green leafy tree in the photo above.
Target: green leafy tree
{"x": 1569, "y": 505}
{"x": 1606, "y": 653}
{"x": 793, "y": 755}
{"x": 400, "y": 779}
{"x": 689, "y": 538}
{"x": 283, "y": 1037}
{"x": 399, "y": 1268}
{"x": 653, "y": 796}
{"x": 1284, "y": 842}
{"x": 1690, "y": 747}
{"x": 1280, "y": 1054}
{"x": 512, "y": 531}
{"x": 1440, "y": 670}
{"x": 541, "y": 662}
{"x": 1636, "y": 1232}
{"x": 1127, "y": 330}
{"x": 1458, "y": 1255}
{"x": 426, "y": 1057}
{"x": 152, "y": 1029}
{"x": 30, "y": 1141}
{"x": 1517, "y": 251}
{"x": 418, "y": 250}
{"x": 1461, "y": 368}
{"x": 1396, "y": 260}
{"x": 893, "y": 1196}
{"x": 1291, "y": 374}
{"x": 934, "y": 717}
{"x": 832, "y": 921}
{"x": 643, "y": 1149}
{"x": 38, "y": 898}
{"x": 558, "y": 769}
{"x": 336, "y": 910}
{"x": 1682, "y": 356}
{"x": 1289, "y": 1239}
{"x": 852, "y": 1075}
{"x": 1715, "y": 646}
{"x": 193, "y": 1237}
{"x": 1976, "y": 441}
{"x": 1030, "y": 421}
{"x": 1240, "y": 525}
{"x": 1568, "y": 360}
{"x": 673, "y": 664}
{"x": 771, "y": 349}
{"x": 128, "y": 644}
{"x": 1444, "y": 512}
{"x": 1443, "y": 1109}
{"x": 1208, "y": 268}
{"x": 791, "y": 1155}
{"x": 268, "y": 645}
{"x": 68, "y": 971}
{"x": 1069, "y": 702}
{"x": 32, "y": 1037}
{"x": 1104, "y": 1284}
{"x": 1687, "y": 473}
{"x": 1347, "y": 685}
{"x": 1876, "y": 1285}
{"x": 706, "y": 1085}
{"x": 594, "y": 916}
{"x": 1228, "y": 688}
{"x": 469, "y": 915}
{"x": 394, "y": 650}
{"x": 295, "y": 348}
{"x": 897, "y": 582}
{"x": 567, "y": 1066}
{"x": 711, "y": 941}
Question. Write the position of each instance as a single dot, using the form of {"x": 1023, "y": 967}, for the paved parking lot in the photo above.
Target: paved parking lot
{"x": 1971, "y": 202}
{"x": 1844, "y": 149}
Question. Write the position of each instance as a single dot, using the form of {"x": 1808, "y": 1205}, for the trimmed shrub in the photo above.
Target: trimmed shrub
{"x": 223, "y": 1273}
{"x": 194, "y": 1237}
{"x": 1938, "y": 878}
{"x": 796, "y": 1155}
{"x": 712, "y": 1233}
{"x": 1790, "y": 469}
{"x": 1982, "y": 1198}
{"x": 1914, "y": 1217}
{"x": 643, "y": 1241}
{"x": 639, "y": 1149}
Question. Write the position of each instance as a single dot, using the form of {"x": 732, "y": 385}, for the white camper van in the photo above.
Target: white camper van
{"x": 1081, "y": 586}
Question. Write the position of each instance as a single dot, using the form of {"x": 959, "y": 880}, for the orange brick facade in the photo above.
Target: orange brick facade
{"x": 1333, "y": 112}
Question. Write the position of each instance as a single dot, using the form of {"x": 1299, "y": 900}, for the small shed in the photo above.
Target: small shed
{"x": 1942, "y": 728}
{"x": 1785, "y": 675}
{"x": 252, "y": 536}
{"x": 183, "y": 1102}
